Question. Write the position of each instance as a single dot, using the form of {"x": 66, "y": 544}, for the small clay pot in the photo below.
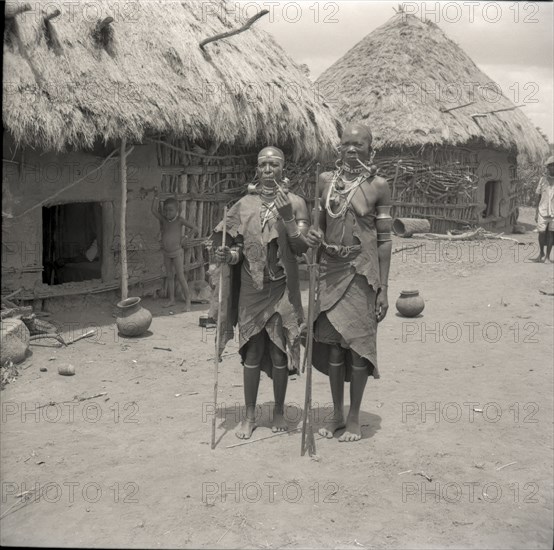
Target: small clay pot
{"x": 410, "y": 303}
{"x": 132, "y": 319}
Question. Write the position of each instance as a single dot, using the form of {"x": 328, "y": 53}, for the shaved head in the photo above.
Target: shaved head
{"x": 271, "y": 163}
{"x": 356, "y": 129}
{"x": 355, "y": 144}
{"x": 270, "y": 153}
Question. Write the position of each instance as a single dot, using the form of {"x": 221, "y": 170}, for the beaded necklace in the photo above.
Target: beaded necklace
{"x": 347, "y": 168}
{"x": 267, "y": 211}
{"x": 342, "y": 191}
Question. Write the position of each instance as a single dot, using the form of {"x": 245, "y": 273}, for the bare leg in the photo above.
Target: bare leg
{"x": 179, "y": 269}
{"x": 549, "y": 241}
{"x": 357, "y": 386}
{"x": 280, "y": 381}
{"x": 336, "y": 380}
{"x": 251, "y": 378}
{"x": 170, "y": 280}
{"x": 542, "y": 242}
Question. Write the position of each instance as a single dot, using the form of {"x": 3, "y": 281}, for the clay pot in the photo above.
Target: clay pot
{"x": 132, "y": 319}
{"x": 410, "y": 303}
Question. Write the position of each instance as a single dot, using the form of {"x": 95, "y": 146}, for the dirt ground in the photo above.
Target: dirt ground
{"x": 457, "y": 441}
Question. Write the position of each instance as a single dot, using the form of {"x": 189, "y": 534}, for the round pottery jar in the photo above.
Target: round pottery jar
{"x": 132, "y": 319}
{"x": 410, "y": 303}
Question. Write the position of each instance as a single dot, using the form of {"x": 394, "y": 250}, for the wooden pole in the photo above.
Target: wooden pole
{"x": 122, "y": 221}
{"x": 308, "y": 440}
{"x": 218, "y": 333}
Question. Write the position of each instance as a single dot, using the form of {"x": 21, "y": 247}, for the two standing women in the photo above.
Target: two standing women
{"x": 268, "y": 231}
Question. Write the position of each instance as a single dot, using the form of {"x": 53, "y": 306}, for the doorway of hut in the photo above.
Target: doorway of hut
{"x": 71, "y": 240}
{"x": 492, "y": 197}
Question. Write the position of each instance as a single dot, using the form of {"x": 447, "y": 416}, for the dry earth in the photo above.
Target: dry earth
{"x": 457, "y": 441}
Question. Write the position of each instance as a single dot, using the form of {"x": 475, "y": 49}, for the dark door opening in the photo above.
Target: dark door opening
{"x": 71, "y": 241}
{"x": 492, "y": 189}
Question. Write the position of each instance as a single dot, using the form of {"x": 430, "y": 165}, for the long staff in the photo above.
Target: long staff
{"x": 218, "y": 333}
{"x": 308, "y": 440}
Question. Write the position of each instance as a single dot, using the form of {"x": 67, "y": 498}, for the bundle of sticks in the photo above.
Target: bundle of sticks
{"x": 413, "y": 179}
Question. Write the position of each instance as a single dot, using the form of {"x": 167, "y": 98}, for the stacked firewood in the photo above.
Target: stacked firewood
{"x": 414, "y": 180}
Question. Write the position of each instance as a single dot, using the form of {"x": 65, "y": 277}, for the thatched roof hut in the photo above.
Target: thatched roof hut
{"x": 79, "y": 77}
{"x": 446, "y": 137}
{"x": 82, "y": 80}
{"x": 416, "y": 87}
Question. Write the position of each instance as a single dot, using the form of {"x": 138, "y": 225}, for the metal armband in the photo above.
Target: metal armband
{"x": 383, "y": 223}
{"x": 383, "y": 237}
{"x": 383, "y": 213}
{"x": 303, "y": 226}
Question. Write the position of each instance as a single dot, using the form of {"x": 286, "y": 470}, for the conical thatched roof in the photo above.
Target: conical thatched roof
{"x": 145, "y": 73}
{"x": 384, "y": 77}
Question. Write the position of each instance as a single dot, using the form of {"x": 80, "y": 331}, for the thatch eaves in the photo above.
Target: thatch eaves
{"x": 416, "y": 87}
{"x": 144, "y": 73}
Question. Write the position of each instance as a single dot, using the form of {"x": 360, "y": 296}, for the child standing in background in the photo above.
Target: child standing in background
{"x": 544, "y": 215}
{"x": 172, "y": 245}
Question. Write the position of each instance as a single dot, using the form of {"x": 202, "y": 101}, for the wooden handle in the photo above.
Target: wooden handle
{"x": 218, "y": 333}
{"x": 316, "y": 202}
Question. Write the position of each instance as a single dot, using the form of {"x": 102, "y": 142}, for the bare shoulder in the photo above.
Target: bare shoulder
{"x": 325, "y": 177}
{"x": 380, "y": 183}
{"x": 296, "y": 200}
{"x": 298, "y": 205}
{"x": 325, "y": 180}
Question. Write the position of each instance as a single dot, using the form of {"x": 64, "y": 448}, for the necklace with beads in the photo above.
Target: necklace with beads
{"x": 342, "y": 191}
{"x": 347, "y": 168}
{"x": 267, "y": 211}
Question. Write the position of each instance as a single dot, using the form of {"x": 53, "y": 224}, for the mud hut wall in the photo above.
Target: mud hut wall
{"x": 143, "y": 232}
{"x": 498, "y": 166}
{"x": 414, "y": 185}
{"x": 33, "y": 179}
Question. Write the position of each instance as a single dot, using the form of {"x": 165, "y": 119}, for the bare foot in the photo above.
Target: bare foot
{"x": 244, "y": 431}
{"x": 538, "y": 260}
{"x": 171, "y": 303}
{"x": 336, "y": 423}
{"x": 279, "y": 423}
{"x": 352, "y": 432}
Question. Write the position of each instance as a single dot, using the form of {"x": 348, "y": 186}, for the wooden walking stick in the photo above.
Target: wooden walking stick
{"x": 308, "y": 440}
{"x": 218, "y": 332}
